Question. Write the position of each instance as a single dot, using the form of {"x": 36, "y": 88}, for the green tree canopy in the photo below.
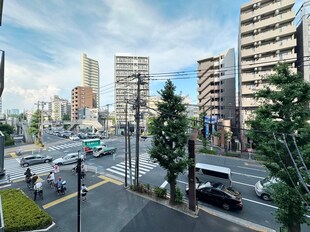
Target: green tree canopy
{"x": 169, "y": 131}
{"x": 280, "y": 130}
{"x": 34, "y": 124}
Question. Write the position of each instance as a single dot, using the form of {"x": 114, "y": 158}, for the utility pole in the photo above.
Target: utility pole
{"x": 79, "y": 193}
{"x": 137, "y": 130}
{"x": 107, "y": 132}
{"x": 126, "y": 149}
{"x": 129, "y": 155}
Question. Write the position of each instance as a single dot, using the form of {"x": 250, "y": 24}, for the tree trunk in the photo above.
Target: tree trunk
{"x": 294, "y": 227}
{"x": 172, "y": 191}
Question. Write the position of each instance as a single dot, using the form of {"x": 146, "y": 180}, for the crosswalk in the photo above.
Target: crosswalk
{"x": 16, "y": 172}
{"x": 145, "y": 165}
{"x": 65, "y": 146}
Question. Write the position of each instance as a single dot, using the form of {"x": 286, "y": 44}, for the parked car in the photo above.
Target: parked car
{"x": 35, "y": 159}
{"x": 218, "y": 194}
{"x": 74, "y": 137}
{"x": 82, "y": 136}
{"x": 262, "y": 187}
{"x": 69, "y": 158}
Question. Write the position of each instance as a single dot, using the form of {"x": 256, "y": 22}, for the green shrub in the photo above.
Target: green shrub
{"x": 9, "y": 142}
{"x": 207, "y": 151}
{"x": 233, "y": 154}
{"x": 160, "y": 192}
{"x": 21, "y": 213}
{"x": 178, "y": 196}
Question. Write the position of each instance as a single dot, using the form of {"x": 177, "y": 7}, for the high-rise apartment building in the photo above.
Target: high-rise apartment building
{"x": 266, "y": 37}
{"x": 216, "y": 86}
{"x": 59, "y": 107}
{"x": 81, "y": 97}
{"x": 90, "y": 76}
{"x": 303, "y": 40}
{"x": 126, "y": 65}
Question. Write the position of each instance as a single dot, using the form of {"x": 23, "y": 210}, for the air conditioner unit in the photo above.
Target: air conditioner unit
{"x": 254, "y": 5}
{"x": 255, "y": 56}
{"x": 255, "y": 43}
{"x": 277, "y": 38}
{"x": 258, "y": 4}
{"x": 260, "y": 55}
{"x": 259, "y": 42}
{"x": 277, "y": 25}
{"x": 255, "y": 31}
{"x": 258, "y": 17}
{"x": 255, "y": 19}
{"x": 277, "y": 12}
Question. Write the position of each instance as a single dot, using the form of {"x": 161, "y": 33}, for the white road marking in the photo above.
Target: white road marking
{"x": 164, "y": 184}
{"x": 264, "y": 204}
{"x": 242, "y": 174}
{"x": 250, "y": 185}
{"x": 254, "y": 169}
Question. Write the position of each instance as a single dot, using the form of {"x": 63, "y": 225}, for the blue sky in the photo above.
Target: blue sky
{"x": 43, "y": 40}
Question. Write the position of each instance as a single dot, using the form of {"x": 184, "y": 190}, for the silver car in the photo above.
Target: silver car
{"x": 35, "y": 159}
{"x": 262, "y": 187}
{"x": 69, "y": 158}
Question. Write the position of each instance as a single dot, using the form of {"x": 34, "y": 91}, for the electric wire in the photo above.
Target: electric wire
{"x": 295, "y": 165}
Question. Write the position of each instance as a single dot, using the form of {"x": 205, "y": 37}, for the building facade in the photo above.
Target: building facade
{"x": 126, "y": 85}
{"x": 303, "y": 40}
{"x": 59, "y": 107}
{"x": 216, "y": 86}
{"x": 90, "y": 76}
{"x": 81, "y": 97}
{"x": 266, "y": 37}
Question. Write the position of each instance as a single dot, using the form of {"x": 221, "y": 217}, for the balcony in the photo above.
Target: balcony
{"x": 286, "y": 17}
{"x": 275, "y": 46}
{"x": 278, "y": 32}
{"x": 284, "y": 4}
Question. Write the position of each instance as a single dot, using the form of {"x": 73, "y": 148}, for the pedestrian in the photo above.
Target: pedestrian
{"x": 83, "y": 174}
{"x": 84, "y": 192}
{"x": 51, "y": 179}
{"x": 38, "y": 188}
{"x": 56, "y": 168}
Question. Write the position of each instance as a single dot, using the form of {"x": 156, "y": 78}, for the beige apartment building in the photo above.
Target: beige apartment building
{"x": 126, "y": 65}
{"x": 90, "y": 76}
{"x": 217, "y": 87}
{"x": 81, "y": 97}
{"x": 266, "y": 37}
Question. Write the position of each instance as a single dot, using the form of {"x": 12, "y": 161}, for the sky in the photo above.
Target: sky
{"x": 43, "y": 41}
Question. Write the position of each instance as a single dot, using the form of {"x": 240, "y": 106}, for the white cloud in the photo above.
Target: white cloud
{"x": 43, "y": 41}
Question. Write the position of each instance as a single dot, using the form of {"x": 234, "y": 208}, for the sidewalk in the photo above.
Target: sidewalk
{"x": 24, "y": 148}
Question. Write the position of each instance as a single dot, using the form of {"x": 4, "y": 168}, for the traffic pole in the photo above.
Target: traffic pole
{"x": 79, "y": 194}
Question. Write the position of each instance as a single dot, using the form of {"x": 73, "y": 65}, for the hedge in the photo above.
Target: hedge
{"x": 21, "y": 213}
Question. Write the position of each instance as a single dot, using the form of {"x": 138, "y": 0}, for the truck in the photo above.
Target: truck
{"x": 89, "y": 144}
{"x": 103, "y": 150}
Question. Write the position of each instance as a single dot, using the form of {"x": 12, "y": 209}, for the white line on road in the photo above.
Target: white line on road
{"x": 254, "y": 169}
{"x": 164, "y": 184}
{"x": 242, "y": 174}
{"x": 250, "y": 185}
{"x": 271, "y": 206}
{"x": 182, "y": 182}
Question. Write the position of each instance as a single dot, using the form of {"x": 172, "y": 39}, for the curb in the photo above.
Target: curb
{"x": 236, "y": 220}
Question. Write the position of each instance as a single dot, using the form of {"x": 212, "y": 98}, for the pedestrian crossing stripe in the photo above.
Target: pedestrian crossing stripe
{"x": 64, "y": 146}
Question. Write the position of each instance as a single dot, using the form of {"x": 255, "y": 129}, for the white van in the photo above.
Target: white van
{"x": 213, "y": 173}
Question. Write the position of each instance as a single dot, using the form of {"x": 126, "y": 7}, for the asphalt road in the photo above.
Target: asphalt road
{"x": 245, "y": 173}
{"x": 110, "y": 207}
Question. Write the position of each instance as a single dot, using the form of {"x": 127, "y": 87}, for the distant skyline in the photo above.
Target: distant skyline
{"x": 43, "y": 41}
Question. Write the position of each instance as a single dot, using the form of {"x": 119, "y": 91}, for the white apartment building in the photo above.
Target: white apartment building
{"x": 266, "y": 37}
{"x": 90, "y": 75}
{"x": 59, "y": 107}
{"x": 126, "y": 66}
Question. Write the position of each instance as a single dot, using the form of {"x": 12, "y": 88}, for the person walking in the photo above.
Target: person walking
{"x": 51, "y": 179}
{"x": 84, "y": 192}
{"x": 56, "y": 168}
{"x": 38, "y": 189}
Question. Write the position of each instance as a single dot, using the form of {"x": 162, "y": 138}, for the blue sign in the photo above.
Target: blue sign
{"x": 210, "y": 120}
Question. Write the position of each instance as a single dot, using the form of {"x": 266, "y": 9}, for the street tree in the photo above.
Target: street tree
{"x": 33, "y": 128}
{"x": 280, "y": 131}
{"x": 169, "y": 136}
